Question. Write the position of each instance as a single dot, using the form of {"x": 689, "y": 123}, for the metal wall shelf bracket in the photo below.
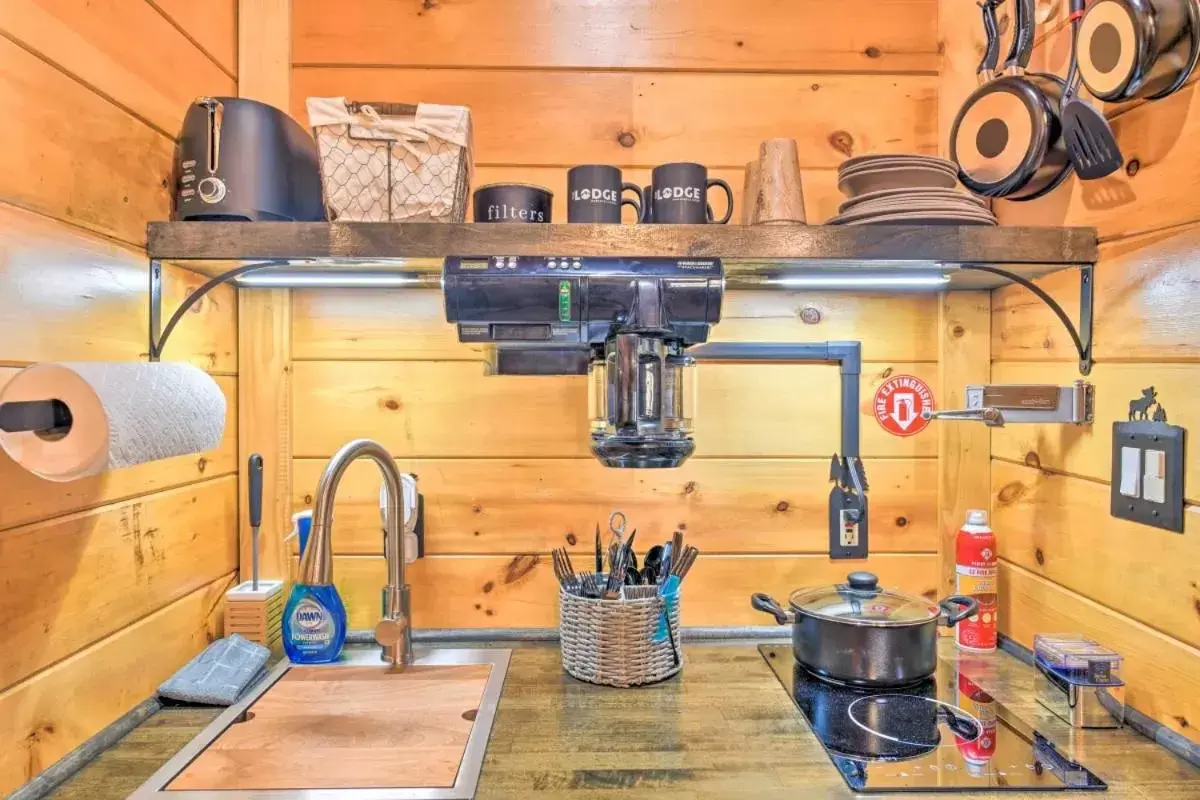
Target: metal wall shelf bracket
{"x": 159, "y": 334}
{"x": 1081, "y": 336}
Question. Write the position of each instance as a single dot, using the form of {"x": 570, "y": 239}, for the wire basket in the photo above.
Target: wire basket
{"x": 392, "y": 162}
{"x": 627, "y": 642}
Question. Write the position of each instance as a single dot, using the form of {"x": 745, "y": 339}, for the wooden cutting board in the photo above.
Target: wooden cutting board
{"x": 347, "y": 728}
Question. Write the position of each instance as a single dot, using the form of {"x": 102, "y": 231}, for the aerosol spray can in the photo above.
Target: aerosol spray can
{"x": 975, "y": 575}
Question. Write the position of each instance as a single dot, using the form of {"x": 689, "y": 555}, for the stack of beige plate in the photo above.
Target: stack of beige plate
{"x": 906, "y": 190}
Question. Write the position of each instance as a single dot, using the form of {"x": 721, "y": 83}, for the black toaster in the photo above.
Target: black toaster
{"x": 240, "y": 159}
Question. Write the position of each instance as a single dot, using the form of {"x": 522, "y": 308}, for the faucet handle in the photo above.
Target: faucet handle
{"x": 390, "y": 632}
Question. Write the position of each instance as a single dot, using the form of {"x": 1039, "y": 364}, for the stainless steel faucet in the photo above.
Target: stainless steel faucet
{"x": 393, "y": 632}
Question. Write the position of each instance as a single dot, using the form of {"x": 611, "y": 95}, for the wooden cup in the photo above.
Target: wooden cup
{"x": 780, "y": 196}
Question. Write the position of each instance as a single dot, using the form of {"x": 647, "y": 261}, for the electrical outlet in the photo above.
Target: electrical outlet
{"x": 849, "y": 531}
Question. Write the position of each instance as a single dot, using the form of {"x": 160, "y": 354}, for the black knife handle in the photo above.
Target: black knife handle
{"x": 254, "y": 468}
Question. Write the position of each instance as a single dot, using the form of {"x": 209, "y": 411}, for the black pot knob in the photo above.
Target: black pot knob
{"x": 863, "y": 581}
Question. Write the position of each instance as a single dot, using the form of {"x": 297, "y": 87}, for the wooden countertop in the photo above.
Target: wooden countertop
{"x": 724, "y": 728}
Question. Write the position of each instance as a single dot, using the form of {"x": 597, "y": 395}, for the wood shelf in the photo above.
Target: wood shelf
{"x": 750, "y": 254}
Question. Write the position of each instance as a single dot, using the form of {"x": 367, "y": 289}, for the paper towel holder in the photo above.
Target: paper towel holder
{"x": 47, "y": 418}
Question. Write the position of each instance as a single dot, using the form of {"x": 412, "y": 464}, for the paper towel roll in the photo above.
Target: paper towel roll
{"x": 123, "y": 413}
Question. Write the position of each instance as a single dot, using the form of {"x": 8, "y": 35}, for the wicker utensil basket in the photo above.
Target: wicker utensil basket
{"x": 620, "y": 642}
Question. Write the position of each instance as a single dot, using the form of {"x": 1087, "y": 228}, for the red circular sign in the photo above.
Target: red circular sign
{"x": 899, "y": 403}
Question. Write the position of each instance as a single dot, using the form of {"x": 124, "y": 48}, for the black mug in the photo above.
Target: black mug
{"x": 648, "y": 203}
{"x": 681, "y": 192}
{"x": 513, "y": 202}
{"x": 648, "y": 207}
{"x": 594, "y": 194}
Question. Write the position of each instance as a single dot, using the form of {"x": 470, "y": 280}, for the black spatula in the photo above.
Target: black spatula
{"x": 1091, "y": 145}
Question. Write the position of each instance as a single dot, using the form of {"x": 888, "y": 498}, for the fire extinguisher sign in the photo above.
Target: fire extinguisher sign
{"x": 899, "y": 403}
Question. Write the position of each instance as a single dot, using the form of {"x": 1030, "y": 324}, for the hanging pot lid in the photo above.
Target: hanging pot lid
{"x": 1112, "y": 44}
{"x": 860, "y": 601}
{"x": 1000, "y": 135}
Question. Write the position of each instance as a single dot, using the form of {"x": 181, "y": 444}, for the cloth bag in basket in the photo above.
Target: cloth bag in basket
{"x": 413, "y": 166}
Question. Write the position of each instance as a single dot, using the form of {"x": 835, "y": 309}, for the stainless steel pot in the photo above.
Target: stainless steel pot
{"x": 859, "y": 634}
{"x": 1138, "y": 48}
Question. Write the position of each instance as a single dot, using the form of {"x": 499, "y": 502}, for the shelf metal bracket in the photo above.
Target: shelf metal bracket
{"x": 158, "y": 334}
{"x": 1081, "y": 336}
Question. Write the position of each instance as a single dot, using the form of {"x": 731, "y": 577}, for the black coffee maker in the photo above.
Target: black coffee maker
{"x": 626, "y": 323}
{"x": 243, "y": 160}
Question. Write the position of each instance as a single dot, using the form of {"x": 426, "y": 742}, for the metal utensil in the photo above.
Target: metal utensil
{"x": 616, "y": 526}
{"x": 563, "y": 569}
{"x": 599, "y": 551}
{"x": 558, "y": 572}
{"x": 588, "y": 585}
{"x": 1091, "y": 145}
{"x": 652, "y": 563}
{"x": 254, "y": 472}
{"x": 616, "y": 576}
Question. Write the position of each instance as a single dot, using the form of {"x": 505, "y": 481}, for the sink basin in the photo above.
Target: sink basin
{"x": 356, "y": 728}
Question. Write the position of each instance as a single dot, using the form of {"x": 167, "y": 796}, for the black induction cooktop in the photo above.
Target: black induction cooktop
{"x": 943, "y": 735}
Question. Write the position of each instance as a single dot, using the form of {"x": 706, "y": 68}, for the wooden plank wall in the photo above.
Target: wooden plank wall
{"x": 113, "y": 582}
{"x": 1067, "y": 564}
{"x": 503, "y": 461}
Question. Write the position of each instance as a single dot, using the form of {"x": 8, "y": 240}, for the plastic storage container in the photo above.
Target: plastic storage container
{"x": 1079, "y": 680}
{"x": 1078, "y": 658}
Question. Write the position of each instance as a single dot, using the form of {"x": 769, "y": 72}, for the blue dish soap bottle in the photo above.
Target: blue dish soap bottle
{"x": 314, "y": 619}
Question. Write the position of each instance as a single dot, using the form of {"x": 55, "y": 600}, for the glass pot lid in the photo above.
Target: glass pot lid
{"x": 860, "y": 601}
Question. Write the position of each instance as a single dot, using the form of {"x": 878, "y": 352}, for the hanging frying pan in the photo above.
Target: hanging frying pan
{"x": 1142, "y": 49}
{"x": 1007, "y": 139}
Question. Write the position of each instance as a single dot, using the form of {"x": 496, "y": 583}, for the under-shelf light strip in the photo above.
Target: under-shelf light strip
{"x": 304, "y": 280}
{"x": 344, "y": 280}
{"x": 873, "y": 281}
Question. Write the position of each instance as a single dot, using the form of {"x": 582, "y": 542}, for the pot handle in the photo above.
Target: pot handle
{"x": 766, "y": 604}
{"x": 956, "y": 608}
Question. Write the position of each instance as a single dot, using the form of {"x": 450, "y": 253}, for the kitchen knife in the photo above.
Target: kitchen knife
{"x": 599, "y": 552}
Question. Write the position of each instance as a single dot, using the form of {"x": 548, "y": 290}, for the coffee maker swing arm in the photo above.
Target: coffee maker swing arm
{"x": 848, "y": 523}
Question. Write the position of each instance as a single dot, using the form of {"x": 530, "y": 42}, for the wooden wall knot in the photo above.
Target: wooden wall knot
{"x": 520, "y": 567}
{"x": 1011, "y": 493}
{"x": 626, "y": 139}
{"x": 843, "y": 142}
